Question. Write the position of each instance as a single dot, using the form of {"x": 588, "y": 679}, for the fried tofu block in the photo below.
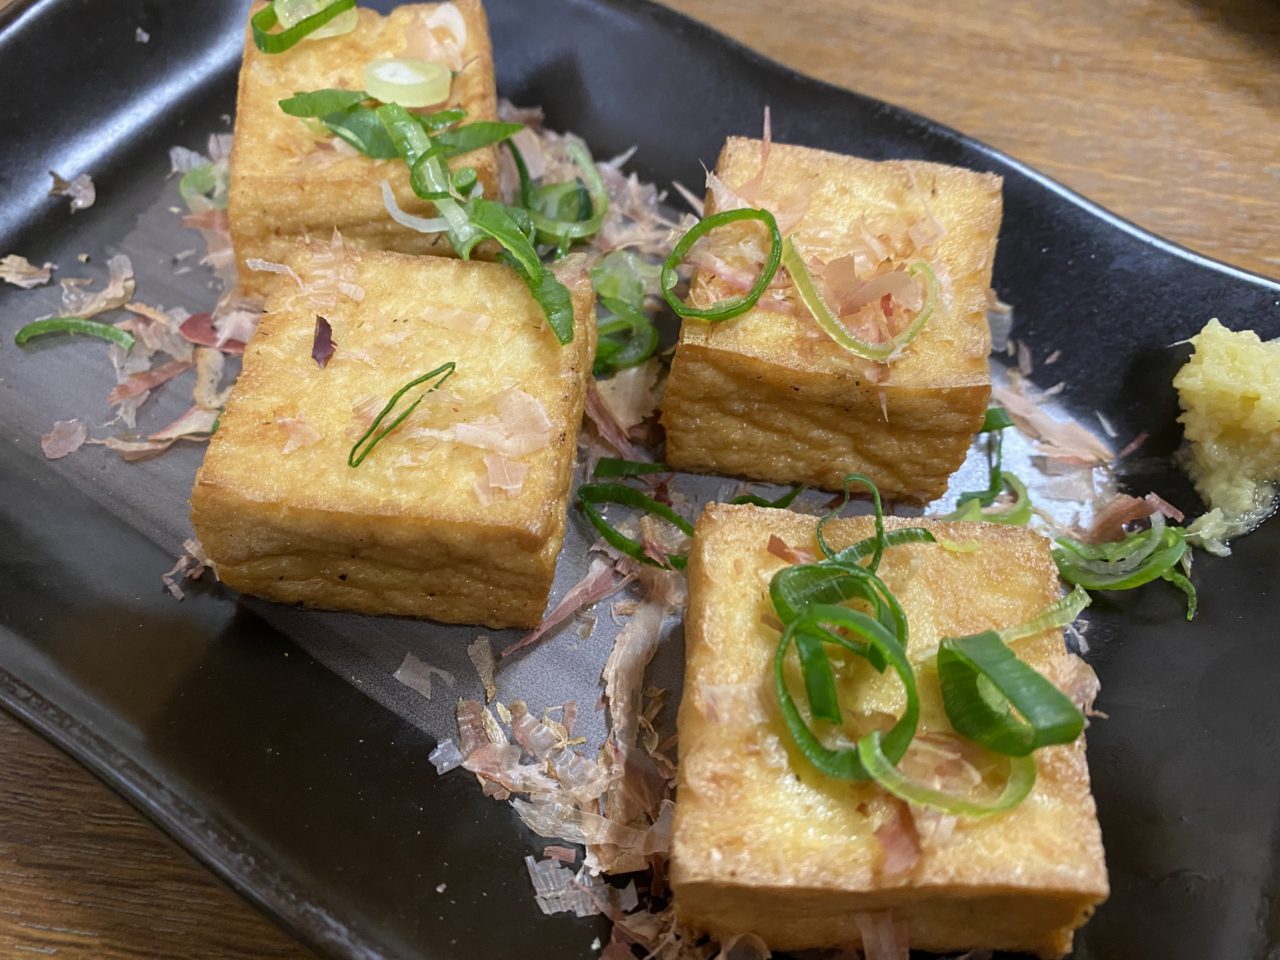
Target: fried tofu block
{"x": 288, "y": 181}
{"x": 459, "y": 513}
{"x": 769, "y": 396}
{"x": 765, "y": 844}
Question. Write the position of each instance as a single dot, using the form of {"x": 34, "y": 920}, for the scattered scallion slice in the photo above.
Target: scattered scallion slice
{"x": 995, "y": 699}
{"x": 1059, "y": 614}
{"x": 553, "y": 230}
{"x": 268, "y": 18}
{"x": 321, "y": 103}
{"x": 1021, "y": 780}
{"x": 734, "y": 306}
{"x": 624, "y": 338}
{"x": 837, "y": 331}
{"x": 811, "y": 631}
{"x": 878, "y": 541}
{"x": 75, "y": 325}
{"x": 473, "y": 136}
{"x": 373, "y": 436}
{"x": 1139, "y": 558}
{"x": 477, "y": 218}
{"x": 590, "y": 494}
{"x": 359, "y": 126}
{"x": 433, "y": 123}
{"x": 627, "y": 336}
{"x": 290, "y": 12}
{"x": 781, "y": 503}
{"x": 617, "y": 467}
{"x": 409, "y": 81}
{"x": 1017, "y": 512}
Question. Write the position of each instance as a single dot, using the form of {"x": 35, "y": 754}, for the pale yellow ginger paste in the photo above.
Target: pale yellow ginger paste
{"x": 1230, "y": 396}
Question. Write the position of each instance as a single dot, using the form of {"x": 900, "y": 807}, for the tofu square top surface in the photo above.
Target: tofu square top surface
{"x": 750, "y": 809}
{"x": 270, "y": 145}
{"x": 837, "y": 198}
{"x": 415, "y": 314}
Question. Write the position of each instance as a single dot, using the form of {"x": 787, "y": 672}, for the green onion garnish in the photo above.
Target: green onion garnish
{"x": 781, "y": 503}
{"x": 359, "y": 126}
{"x": 983, "y": 684}
{"x": 441, "y": 119}
{"x": 878, "y": 541}
{"x": 408, "y": 81}
{"x": 837, "y": 331}
{"x": 617, "y": 467}
{"x": 75, "y": 325}
{"x": 1022, "y": 777}
{"x": 268, "y": 18}
{"x": 321, "y": 103}
{"x": 977, "y": 504}
{"x": 1061, "y": 613}
{"x": 811, "y": 632}
{"x": 626, "y": 337}
{"x": 1139, "y": 558}
{"x": 552, "y": 296}
{"x": 734, "y": 306}
{"x": 471, "y": 221}
{"x": 590, "y": 494}
{"x": 473, "y": 136}
{"x": 373, "y": 436}
{"x": 553, "y": 230}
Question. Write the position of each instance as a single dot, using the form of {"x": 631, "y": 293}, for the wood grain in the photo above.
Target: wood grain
{"x": 1166, "y": 111}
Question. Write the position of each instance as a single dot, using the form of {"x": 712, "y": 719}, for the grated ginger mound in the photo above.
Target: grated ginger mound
{"x": 1230, "y": 396}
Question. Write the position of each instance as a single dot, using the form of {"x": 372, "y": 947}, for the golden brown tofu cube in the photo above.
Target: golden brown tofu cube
{"x": 288, "y": 181}
{"x": 459, "y": 513}
{"x": 765, "y": 844}
{"x": 767, "y": 395}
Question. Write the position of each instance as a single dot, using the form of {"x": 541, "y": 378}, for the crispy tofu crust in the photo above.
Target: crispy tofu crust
{"x": 765, "y": 844}
{"x": 406, "y": 532}
{"x": 766, "y": 396}
{"x": 287, "y": 182}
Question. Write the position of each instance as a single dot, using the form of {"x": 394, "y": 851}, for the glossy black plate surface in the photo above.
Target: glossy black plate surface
{"x": 274, "y": 744}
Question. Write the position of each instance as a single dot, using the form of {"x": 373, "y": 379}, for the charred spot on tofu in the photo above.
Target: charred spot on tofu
{"x": 459, "y": 512}
{"x": 288, "y": 181}
{"x": 764, "y": 843}
{"x": 768, "y": 395}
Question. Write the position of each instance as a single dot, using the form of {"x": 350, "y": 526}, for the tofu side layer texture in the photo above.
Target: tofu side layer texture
{"x": 287, "y": 182}
{"x": 768, "y": 396}
{"x": 765, "y": 844}
{"x": 405, "y": 532}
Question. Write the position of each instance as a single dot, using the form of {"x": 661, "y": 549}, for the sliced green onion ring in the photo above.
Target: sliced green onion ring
{"x": 1021, "y": 780}
{"x": 408, "y": 81}
{"x": 1059, "y": 614}
{"x": 878, "y": 541}
{"x": 75, "y": 325}
{"x": 837, "y": 331}
{"x": 589, "y": 494}
{"x": 1017, "y": 512}
{"x": 373, "y": 436}
{"x": 734, "y": 306}
{"x": 556, "y": 231}
{"x": 892, "y": 538}
{"x": 625, "y": 339}
{"x": 290, "y": 12}
{"x": 983, "y": 682}
{"x": 473, "y": 136}
{"x": 781, "y": 503}
{"x": 268, "y": 18}
{"x": 617, "y": 467}
{"x": 321, "y": 103}
{"x": 843, "y": 764}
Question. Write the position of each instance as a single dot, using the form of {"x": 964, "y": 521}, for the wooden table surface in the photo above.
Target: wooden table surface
{"x": 1166, "y": 111}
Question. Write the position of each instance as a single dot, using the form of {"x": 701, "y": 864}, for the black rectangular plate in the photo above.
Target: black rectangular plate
{"x": 273, "y": 744}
